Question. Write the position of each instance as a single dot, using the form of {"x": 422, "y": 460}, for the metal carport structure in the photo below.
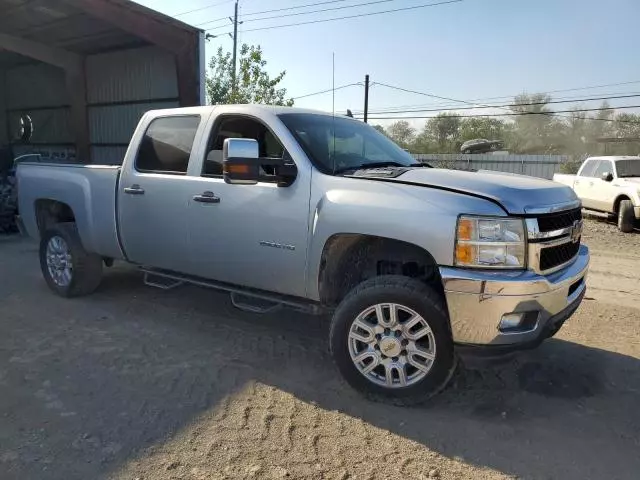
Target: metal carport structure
{"x": 85, "y": 70}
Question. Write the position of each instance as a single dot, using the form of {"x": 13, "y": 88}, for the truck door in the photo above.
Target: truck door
{"x": 603, "y": 192}
{"x": 251, "y": 235}
{"x": 154, "y": 193}
{"x": 583, "y": 184}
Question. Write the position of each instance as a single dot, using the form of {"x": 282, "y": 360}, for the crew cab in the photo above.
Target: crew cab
{"x": 609, "y": 186}
{"x": 297, "y": 208}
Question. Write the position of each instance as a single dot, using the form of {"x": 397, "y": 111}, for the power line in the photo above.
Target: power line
{"x": 355, "y": 16}
{"x": 328, "y": 90}
{"x": 314, "y": 11}
{"x": 473, "y": 100}
{"x": 275, "y": 10}
{"x": 550, "y": 114}
{"x": 508, "y": 114}
{"x": 509, "y": 105}
{"x": 206, "y": 7}
{"x": 451, "y": 106}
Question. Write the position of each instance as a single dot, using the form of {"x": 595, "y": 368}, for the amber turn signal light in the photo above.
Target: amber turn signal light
{"x": 465, "y": 229}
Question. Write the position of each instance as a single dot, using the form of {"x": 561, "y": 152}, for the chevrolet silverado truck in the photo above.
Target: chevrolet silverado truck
{"x": 297, "y": 208}
{"x": 610, "y": 187}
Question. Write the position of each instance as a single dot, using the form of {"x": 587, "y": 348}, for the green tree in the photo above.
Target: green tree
{"x": 402, "y": 133}
{"x": 381, "y": 129}
{"x": 490, "y": 128}
{"x": 536, "y": 128}
{"x": 253, "y": 83}
{"x": 444, "y": 130}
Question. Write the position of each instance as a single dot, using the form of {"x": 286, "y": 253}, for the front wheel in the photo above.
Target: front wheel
{"x": 68, "y": 269}
{"x": 391, "y": 341}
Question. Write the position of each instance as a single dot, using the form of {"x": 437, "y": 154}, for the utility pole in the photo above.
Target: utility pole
{"x": 235, "y": 47}
{"x": 366, "y": 97}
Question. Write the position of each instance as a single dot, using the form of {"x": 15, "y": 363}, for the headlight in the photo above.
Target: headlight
{"x": 490, "y": 242}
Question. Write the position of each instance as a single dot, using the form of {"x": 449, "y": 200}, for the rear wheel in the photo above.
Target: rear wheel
{"x": 68, "y": 269}
{"x": 390, "y": 340}
{"x": 626, "y": 216}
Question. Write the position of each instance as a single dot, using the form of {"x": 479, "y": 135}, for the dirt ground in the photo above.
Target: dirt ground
{"x": 137, "y": 383}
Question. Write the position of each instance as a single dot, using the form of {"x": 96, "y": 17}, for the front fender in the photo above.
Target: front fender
{"x": 412, "y": 214}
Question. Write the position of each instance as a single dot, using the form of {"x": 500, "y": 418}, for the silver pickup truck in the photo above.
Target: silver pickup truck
{"x": 610, "y": 187}
{"x": 322, "y": 213}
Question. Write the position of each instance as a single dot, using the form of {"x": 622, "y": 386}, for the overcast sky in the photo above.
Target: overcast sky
{"x": 467, "y": 50}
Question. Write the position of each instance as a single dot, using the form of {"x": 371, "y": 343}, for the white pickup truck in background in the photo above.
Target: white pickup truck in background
{"x": 608, "y": 186}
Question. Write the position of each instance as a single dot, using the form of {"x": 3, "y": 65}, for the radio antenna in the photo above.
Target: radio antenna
{"x": 333, "y": 110}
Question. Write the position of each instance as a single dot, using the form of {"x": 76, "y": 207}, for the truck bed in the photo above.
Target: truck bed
{"x": 88, "y": 190}
{"x": 564, "y": 179}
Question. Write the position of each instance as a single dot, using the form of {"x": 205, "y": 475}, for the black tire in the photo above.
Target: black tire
{"x": 410, "y": 293}
{"x": 626, "y": 216}
{"x": 86, "y": 267}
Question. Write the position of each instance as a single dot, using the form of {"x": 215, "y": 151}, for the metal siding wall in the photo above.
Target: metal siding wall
{"x": 49, "y": 153}
{"x": 129, "y": 75}
{"x": 141, "y": 75}
{"x": 50, "y": 126}
{"x": 542, "y": 166}
{"x": 116, "y": 123}
{"x": 108, "y": 155}
{"x": 37, "y": 85}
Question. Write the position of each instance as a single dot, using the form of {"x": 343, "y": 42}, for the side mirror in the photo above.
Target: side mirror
{"x": 607, "y": 176}
{"x": 242, "y": 165}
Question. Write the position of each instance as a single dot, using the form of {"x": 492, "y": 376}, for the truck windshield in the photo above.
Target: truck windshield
{"x": 338, "y": 144}
{"x": 628, "y": 168}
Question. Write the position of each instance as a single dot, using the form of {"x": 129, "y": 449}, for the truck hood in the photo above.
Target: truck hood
{"x": 517, "y": 194}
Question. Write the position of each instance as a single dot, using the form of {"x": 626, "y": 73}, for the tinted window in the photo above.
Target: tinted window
{"x": 166, "y": 145}
{"x": 239, "y": 127}
{"x": 589, "y": 167}
{"x": 628, "y": 168}
{"x": 604, "y": 166}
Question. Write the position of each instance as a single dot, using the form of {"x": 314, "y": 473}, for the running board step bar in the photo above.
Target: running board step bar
{"x": 251, "y": 304}
{"x": 151, "y": 279}
{"x": 249, "y": 300}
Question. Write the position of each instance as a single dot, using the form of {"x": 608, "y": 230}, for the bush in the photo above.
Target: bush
{"x": 570, "y": 167}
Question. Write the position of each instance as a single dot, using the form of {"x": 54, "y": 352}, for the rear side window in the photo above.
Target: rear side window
{"x": 589, "y": 168}
{"x": 166, "y": 145}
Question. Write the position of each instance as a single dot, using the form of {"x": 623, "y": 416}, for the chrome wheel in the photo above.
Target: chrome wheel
{"x": 59, "y": 263}
{"x": 392, "y": 345}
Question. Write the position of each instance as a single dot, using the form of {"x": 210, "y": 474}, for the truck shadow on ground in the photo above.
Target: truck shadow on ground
{"x": 132, "y": 366}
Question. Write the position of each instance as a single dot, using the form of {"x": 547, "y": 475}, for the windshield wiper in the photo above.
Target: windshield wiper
{"x": 364, "y": 166}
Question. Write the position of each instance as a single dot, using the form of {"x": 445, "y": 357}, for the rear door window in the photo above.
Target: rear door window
{"x": 166, "y": 145}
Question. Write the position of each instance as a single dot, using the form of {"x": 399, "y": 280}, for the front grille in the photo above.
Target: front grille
{"x": 557, "y": 221}
{"x": 551, "y": 257}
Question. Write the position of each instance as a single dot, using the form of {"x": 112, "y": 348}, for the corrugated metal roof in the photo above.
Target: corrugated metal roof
{"x": 59, "y": 23}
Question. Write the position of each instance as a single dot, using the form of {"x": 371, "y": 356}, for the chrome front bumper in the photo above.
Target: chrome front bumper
{"x": 477, "y": 301}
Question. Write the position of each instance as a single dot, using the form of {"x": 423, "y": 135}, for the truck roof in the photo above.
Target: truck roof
{"x": 245, "y": 108}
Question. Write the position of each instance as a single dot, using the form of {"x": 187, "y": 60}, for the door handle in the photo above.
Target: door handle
{"x": 206, "y": 197}
{"x": 134, "y": 190}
